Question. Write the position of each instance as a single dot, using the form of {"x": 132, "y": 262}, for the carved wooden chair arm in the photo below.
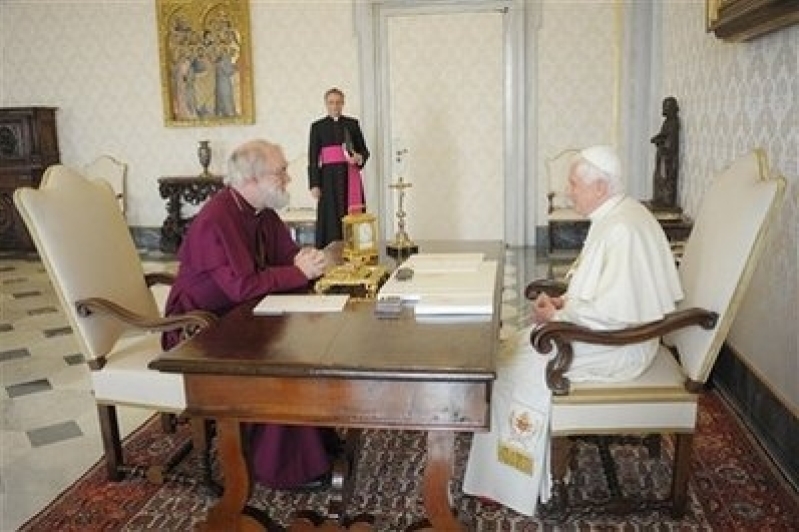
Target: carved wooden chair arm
{"x": 560, "y": 335}
{"x": 547, "y": 286}
{"x": 153, "y": 278}
{"x": 195, "y": 320}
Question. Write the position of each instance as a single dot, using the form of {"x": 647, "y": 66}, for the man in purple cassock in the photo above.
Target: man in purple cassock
{"x": 237, "y": 248}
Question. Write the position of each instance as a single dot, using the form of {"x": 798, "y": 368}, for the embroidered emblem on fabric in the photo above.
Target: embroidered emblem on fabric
{"x": 516, "y": 448}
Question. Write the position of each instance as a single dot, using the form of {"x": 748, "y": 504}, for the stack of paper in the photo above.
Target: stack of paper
{"x": 444, "y": 262}
{"x": 438, "y": 304}
{"x": 277, "y": 304}
{"x": 446, "y": 284}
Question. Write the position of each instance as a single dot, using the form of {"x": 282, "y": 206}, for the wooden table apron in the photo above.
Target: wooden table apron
{"x": 346, "y": 369}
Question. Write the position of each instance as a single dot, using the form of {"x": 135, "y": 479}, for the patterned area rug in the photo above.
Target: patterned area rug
{"x": 733, "y": 487}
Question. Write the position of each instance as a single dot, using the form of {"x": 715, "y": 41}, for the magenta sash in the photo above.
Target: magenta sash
{"x": 334, "y": 155}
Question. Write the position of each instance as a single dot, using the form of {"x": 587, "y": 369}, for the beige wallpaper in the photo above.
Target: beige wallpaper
{"x": 578, "y": 62}
{"x": 734, "y": 97}
{"x": 98, "y": 62}
{"x": 446, "y": 109}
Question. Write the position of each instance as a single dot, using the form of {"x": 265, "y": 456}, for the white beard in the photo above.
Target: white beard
{"x": 275, "y": 198}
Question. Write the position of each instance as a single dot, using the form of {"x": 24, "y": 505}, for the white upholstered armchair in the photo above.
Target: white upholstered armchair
{"x": 558, "y": 166}
{"x": 111, "y": 170}
{"x": 566, "y": 229}
{"x": 720, "y": 257}
{"x": 88, "y": 252}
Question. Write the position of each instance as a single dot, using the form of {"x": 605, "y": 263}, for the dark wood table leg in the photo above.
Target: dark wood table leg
{"x": 437, "y": 476}
{"x": 227, "y": 514}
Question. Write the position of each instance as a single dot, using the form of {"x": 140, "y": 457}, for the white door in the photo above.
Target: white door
{"x": 445, "y": 108}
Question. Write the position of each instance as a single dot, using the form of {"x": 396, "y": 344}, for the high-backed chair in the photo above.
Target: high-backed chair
{"x": 300, "y": 214}
{"x": 89, "y": 255}
{"x": 557, "y": 180}
{"x": 113, "y": 171}
{"x": 567, "y": 229}
{"x": 720, "y": 257}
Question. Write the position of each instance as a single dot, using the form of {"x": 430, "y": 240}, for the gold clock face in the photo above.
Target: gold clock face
{"x": 360, "y": 236}
{"x": 365, "y": 236}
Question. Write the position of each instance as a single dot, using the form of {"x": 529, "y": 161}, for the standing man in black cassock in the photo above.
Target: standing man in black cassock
{"x": 336, "y": 154}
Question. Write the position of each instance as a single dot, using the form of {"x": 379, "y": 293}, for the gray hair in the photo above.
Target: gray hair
{"x": 250, "y": 160}
{"x": 588, "y": 172}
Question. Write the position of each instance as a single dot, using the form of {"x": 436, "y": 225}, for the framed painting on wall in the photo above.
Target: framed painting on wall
{"x": 744, "y": 20}
{"x": 206, "y": 65}
{"x": 712, "y": 13}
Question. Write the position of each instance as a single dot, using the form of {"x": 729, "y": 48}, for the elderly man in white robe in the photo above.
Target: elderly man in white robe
{"x": 625, "y": 275}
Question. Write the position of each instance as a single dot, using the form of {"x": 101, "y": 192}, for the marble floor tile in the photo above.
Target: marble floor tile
{"x": 51, "y": 434}
{"x": 47, "y": 410}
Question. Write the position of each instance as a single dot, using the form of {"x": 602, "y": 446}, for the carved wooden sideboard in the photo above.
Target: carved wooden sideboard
{"x": 28, "y": 145}
{"x": 177, "y": 191}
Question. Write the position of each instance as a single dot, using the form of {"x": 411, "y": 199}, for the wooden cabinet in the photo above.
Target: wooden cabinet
{"x": 28, "y": 145}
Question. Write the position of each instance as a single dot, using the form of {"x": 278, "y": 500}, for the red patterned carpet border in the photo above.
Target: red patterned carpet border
{"x": 733, "y": 488}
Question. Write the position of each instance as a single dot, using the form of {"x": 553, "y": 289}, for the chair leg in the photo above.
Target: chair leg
{"x": 652, "y": 444}
{"x": 680, "y": 474}
{"x": 157, "y": 473}
{"x": 561, "y": 458}
{"x": 112, "y": 447}
{"x": 169, "y": 422}
{"x": 112, "y": 444}
{"x": 202, "y": 432}
{"x": 344, "y": 469}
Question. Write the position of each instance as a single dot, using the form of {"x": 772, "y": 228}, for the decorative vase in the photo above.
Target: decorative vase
{"x": 204, "y": 155}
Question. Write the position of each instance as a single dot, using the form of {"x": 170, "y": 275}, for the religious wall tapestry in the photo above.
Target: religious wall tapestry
{"x": 206, "y": 65}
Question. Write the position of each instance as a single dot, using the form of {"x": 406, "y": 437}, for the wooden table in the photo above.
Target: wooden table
{"x": 179, "y": 190}
{"x": 345, "y": 369}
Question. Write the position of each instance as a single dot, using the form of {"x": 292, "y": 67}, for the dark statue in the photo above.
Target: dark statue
{"x": 667, "y": 157}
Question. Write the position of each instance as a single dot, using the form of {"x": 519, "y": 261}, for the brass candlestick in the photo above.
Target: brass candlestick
{"x": 402, "y": 246}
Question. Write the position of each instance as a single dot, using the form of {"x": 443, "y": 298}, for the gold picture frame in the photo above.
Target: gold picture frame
{"x": 712, "y": 13}
{"x": 744, "y": 20}
{"x": 206, "y": 62}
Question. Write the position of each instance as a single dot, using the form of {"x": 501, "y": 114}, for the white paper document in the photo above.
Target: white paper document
{"x": 277, "y": 304}
{"x": 460, "y": 304}
{"x": 446, "y": 284}
{"x": 444, "y": 262}
{"x": 481, "y": 280}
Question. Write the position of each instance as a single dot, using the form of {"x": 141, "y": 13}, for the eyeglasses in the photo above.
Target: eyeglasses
{"x": 280, "y": 172}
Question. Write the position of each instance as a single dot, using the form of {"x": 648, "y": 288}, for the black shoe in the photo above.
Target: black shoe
{"x": 334, "y": 444}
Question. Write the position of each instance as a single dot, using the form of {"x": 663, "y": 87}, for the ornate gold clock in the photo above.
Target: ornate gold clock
{"x": 360, "y": 238}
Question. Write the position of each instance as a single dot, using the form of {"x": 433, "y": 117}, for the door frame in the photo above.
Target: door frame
{"x": 519, "y": 92}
